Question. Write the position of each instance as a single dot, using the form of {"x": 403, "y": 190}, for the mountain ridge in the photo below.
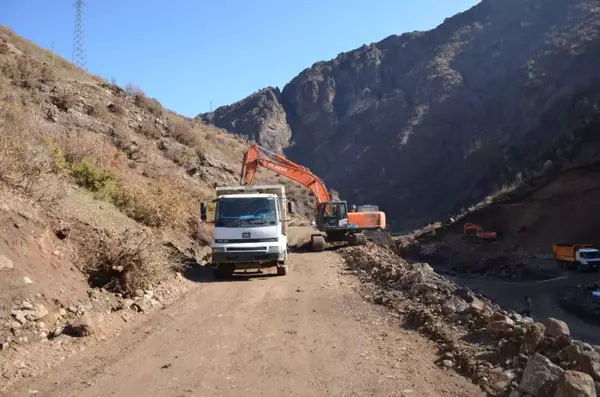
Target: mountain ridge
{"x": 428, "y": 123}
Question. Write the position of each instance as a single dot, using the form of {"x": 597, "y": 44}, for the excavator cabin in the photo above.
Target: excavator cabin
{"x": 334, "y": 218}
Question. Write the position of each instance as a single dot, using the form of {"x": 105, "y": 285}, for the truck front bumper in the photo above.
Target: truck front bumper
{"x": 249, "y": 258}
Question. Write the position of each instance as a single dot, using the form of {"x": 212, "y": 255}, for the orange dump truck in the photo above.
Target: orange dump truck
{"x": 577, "y": 256}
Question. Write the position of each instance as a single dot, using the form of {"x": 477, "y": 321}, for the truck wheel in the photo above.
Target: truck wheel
{"x": 224, "y": 271}
{"x": 282, "y": 270}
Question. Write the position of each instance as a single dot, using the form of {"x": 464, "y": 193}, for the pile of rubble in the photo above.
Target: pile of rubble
{"x": 490, "y": 264}
{"x": 505, "y": 353}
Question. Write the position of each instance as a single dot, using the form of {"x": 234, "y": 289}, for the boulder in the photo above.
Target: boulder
{"x": 575, "y": 384}
{"x": 454, "y": 305}
{"x": 588, "y": 363}
{"x": 39, "y": 311}
{"x": 556, "y": 328}
{"x": 6, "y": 263}
{"x": 480, "y": 308}
{"x": 82, "y": 326}
{"x": 540, "y": 376}
{"x": 533, "y": 336}
{"x": 499, "y": 322}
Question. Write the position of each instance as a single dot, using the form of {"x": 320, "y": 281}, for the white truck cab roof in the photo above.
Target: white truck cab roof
{"x": 247, "y": 195}
{"x": 588, "y": 250}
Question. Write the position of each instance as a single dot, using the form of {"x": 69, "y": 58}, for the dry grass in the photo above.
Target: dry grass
{"x": 19, "y": 166}
{"x": 183, "y": 132}
{"x": 4, "y": 49}
{"x": 150, "y": 129}
{"x": 127, "y": 262}
{"x": 164, "y": 203}
{"x": 99, "y": 111}
{"x": 149, "y": 104}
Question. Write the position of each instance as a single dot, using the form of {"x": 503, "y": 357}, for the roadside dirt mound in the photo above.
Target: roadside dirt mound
{"x": 499, "y": 350}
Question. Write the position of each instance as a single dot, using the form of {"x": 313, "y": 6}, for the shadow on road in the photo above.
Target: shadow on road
{"x": 204, "y": 274}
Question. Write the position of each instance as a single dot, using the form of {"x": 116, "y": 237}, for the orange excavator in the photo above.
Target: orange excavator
{"x": 472, "y": 231}
{"x": 335, "y": 221}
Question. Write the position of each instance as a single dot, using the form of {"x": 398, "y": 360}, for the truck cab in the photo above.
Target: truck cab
{"x": 250, "y": 229}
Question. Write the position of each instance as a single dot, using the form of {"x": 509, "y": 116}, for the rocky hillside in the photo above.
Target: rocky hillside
{"x": 100, "y": 191}
{"x": 428, "y": 123}
{"x": 260, "y": 117}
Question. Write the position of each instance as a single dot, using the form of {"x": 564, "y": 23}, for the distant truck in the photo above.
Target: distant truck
{"x": 577, "y": 256}
{"x": 250, "y": 229}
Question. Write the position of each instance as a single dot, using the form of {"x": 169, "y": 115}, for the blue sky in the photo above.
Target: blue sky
{"x": 187, "y": 53}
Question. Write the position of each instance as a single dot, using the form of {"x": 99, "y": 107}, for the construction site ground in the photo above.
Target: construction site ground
{"x": 307, "y": 334}
{"x": 544, "y": 294}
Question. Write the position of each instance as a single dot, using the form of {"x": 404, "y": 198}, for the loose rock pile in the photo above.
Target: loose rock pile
{"x": 503, "y": 352}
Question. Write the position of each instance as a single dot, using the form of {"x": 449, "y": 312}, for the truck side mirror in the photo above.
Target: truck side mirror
{"x": 291, "y": 207}
{"x": 203, "y": 208}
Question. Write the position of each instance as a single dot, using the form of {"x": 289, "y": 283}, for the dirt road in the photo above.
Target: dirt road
{"x": 306, "y": 334}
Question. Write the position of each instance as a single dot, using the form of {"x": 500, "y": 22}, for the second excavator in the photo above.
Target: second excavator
{"x": 334, "y": 220}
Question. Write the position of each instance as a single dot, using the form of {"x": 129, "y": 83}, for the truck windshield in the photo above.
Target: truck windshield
{"x": 245, "y": 211}
{"x": 590, "y": 254}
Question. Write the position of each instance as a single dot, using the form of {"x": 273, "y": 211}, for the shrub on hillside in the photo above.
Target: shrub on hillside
{"x": 149, "y": 104}
{"x": 183, "y": 132}
{"x": 88, "y": 175}
{"x": 98, "y": 110}
{"x": 64, "y": 101}
{"x": 59, "y": 160}
{"x": 117, "y": 107}
{"x": 149, "y": 129}
{"x": 18, "y": 165}
{"x": 4, "y": 49}
{"x": 127, "y": 262}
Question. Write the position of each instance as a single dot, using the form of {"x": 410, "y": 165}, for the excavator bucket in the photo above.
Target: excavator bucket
{"x": 379, "y": 237}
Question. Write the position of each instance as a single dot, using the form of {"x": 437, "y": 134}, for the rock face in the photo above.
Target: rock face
{"x": 259, "y": 117}
{"x": 428, "y": 122}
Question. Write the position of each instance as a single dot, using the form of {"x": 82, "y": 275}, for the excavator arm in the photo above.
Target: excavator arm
{"x": 258, "y": 156}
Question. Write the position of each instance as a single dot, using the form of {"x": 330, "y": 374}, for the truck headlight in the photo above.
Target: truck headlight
{"x": 218, "y": 249}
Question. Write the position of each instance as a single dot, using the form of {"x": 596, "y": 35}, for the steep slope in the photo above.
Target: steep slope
{"x": 260, "y": 117}
{"x": 426, "y": 123}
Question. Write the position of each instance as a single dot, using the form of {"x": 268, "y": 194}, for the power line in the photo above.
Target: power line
{"x": 79, "y": 47}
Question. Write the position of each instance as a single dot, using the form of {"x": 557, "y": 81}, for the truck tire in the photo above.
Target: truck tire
{"x": 318, "y": 243}
{"x": 282, "y": 270}
{"x": 224, "y": 270}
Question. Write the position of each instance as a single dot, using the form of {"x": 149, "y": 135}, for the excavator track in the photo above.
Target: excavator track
{"x": 318, "y": 243}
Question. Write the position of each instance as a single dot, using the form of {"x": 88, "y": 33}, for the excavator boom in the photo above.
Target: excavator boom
{"x": 333, "y": 217}
{"x": 258, "y": 156}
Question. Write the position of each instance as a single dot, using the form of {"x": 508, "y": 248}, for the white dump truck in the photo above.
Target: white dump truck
{"x": 250, "y": 229}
